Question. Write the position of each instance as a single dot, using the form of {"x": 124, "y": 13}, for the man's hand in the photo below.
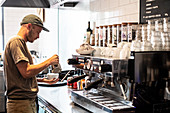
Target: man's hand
{"x": 54, "y": 60}
{"x": 51, "y": 81}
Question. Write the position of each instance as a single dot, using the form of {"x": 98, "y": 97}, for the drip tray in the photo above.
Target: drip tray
{"x": 100, "y": 103}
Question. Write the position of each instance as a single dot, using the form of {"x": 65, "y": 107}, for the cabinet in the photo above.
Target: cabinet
{"x": 46, "y": 107}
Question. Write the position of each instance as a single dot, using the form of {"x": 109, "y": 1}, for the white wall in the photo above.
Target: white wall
{"x": 72, "y": 26}
{"x": 48, "y": 44}
{"x": 108, "y": 12}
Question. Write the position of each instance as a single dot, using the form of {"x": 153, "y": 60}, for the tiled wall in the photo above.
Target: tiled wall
{"x": 108, "y": 12}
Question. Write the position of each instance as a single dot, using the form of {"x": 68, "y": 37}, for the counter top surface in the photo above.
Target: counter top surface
{"x": 59, "y": 97}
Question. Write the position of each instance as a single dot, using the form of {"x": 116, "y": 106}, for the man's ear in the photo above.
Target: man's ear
{"x": 29, "y": 25}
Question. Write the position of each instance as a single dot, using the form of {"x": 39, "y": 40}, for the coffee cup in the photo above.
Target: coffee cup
{"x": 52, "y": 75}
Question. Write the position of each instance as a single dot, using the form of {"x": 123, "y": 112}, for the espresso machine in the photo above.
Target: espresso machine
{"x": 107, "y": 86}
{"x": 138, "y": 84}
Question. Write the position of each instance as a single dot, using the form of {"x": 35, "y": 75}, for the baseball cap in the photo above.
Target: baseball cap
{"x": 33, "y": 19}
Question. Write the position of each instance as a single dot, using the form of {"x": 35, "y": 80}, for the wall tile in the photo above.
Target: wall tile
{"x": 92, "y": 6}
{"x": 123, "y": 2}
{"x": 134, "y": 18}
{"x": 121, "y": 10}
{"x": 116, "y": 11}
{"x": 104, "y": 4}
{"x": 114, "y": 20}
{"x": 97, "y": 5}
{"x": 131, "y": 1}
{"x": 132, "y": 8}
{"x": 114, "y": 3}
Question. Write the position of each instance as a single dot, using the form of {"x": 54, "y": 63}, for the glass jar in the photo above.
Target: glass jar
{"x": 139, "y": 32}
{"x": 110, "y": 34}
{"x": 131, "y": 31}
{"x": 97, "y": 36}
{"x": 101, "y": 36}
{"x": 105, "y": 36}
{"x": 114, "y": 32}
{"x": 124, "y": 32}
{"x": 92, "y": 40}
{"x": 118, "y": 33}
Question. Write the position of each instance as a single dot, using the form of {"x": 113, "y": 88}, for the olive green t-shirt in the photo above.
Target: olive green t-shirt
{"x": 16, "y": 86}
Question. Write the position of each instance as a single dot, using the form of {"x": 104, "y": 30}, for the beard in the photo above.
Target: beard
{"x": 29, "y": 36}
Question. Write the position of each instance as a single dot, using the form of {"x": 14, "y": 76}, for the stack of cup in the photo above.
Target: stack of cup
{"x": 166, "y": 25}
{"x": 159, "y": 25}
{"x": 156, "y": 41}
{"x": 166, "y": 40}
{"x": 165, "y": 35}
{"x": 144, "y": 32}
{"x": 146, "y": 44}
{"x": 136, "y": 45}
{"x": 150, "y": 28}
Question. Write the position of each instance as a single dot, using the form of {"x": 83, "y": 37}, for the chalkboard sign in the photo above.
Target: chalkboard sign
{"x": 152, "y": 9}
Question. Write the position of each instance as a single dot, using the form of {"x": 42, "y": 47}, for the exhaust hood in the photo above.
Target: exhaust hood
{"x": 39, "y": 3}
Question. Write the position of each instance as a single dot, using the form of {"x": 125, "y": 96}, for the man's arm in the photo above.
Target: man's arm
{"x": 27, "y": 70}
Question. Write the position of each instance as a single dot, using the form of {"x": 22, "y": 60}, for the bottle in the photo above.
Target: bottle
{"x": 84, "y": 40}
{"x": 88, "y": 33}
{"x": 92, "y": 42}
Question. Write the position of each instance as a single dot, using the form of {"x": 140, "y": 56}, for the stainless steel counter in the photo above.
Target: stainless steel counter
{"x": 58, "y": 97}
